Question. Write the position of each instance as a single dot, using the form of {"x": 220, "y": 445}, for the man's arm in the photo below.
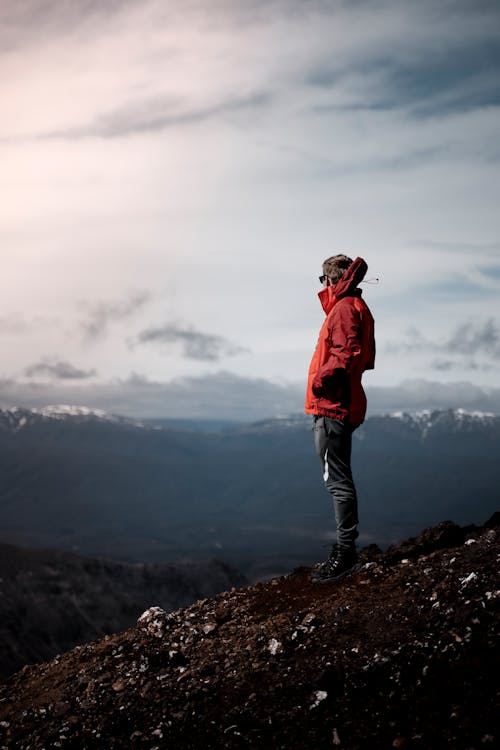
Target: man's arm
{"x": 344, "y": 333}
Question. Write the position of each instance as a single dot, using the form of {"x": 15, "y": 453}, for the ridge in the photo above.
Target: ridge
{"x": 401, "y": 654}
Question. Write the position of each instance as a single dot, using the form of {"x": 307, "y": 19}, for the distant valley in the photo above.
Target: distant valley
{"x": 251, "y": 495}
{"x": 51, "y": 601}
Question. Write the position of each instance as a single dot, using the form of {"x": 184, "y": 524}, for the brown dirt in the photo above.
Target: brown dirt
{"x": 399, "y": 655}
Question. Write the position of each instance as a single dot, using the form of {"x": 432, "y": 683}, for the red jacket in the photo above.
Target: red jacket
{"x": 345, "y": 349}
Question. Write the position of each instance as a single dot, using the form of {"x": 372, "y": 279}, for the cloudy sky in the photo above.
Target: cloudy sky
{"x": 174, "y": 173}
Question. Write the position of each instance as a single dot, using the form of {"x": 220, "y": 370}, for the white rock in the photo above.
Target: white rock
{"x": 468, "y": 579}
{"x": 274, "y": 647}
{"x": 154, "y": 620}
{"x": 318, "y": 696}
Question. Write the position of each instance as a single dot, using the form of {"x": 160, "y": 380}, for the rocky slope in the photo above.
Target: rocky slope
{"x": 399, "y": 655}
{"x": 51, "y": 601}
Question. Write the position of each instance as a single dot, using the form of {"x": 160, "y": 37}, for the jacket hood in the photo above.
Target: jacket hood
{"x": 345, "y": 285}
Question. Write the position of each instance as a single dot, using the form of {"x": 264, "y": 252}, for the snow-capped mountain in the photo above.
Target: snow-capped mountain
{"x": 420, "y": 424}
{"x": 16, "y": 418}
{"x": 450, "y": 419}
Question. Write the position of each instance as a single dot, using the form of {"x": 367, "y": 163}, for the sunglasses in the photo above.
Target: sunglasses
{"x": 322, "y": 279}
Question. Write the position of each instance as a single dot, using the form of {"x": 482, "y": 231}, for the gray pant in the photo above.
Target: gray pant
{"x": 332, "y": 440}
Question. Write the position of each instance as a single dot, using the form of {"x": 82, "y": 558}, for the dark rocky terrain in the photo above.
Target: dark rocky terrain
{"x": 51, "y": 601}
{"x": 401, "y": 654}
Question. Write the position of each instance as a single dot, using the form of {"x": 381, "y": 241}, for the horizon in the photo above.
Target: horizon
{"x": 55, "y": 410}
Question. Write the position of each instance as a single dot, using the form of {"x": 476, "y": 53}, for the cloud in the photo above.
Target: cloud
{"x": 426, "y": 59}
{"x": 463, "y": 345}
{"x": 58, "y": 370}
{"x": 439, "y": 83}
{"x": 195, "y": 344}
{"x": 415, "y": 395}
{"x": 17, "y": 324}
{"x": 12, "y": 325}
{"x": 25, "y": 20}
{"x": 157, "y": 114}
{"x": 223, "y": 395}
{"x": 471, "y": 338}
{"x": 102, "y": 314}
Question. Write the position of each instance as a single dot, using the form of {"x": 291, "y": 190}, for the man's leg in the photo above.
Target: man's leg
{"x": 333, "y": 440}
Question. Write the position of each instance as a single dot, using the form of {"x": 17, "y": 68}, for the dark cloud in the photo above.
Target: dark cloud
{"x": 422, "y": 75}
{"x": 443, "y": 365}
{"x": 471, "y": 338}
{"x": 490, "y": 271}
{"x": 58, "y": 370}
{"x": 195, "y": 344}
{"x": 416, "y": 395}
{"x": 102, "y": 314}
{"x": 471, "y": 346}
{"x": 413, "y": 341}
{"x": 161, "y": 113}
{"x": 226, "y": 396}
{"x": 221, "y": 395}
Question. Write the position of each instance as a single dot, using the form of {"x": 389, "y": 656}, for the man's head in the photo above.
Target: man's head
{"x": 334, "y": 267}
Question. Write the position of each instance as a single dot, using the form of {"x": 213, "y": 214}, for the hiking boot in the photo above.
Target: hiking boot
{"x": 341, "y": 562}
{"x": 333, "y": 553}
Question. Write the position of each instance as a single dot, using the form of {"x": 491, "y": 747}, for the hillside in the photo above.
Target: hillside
{"x": 252, "y": 495}
{"x": 51, "y": 601}
{"x": 399, "y": 655}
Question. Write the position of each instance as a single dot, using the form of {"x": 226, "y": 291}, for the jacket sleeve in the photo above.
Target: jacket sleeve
{"x": 344, "y": 341}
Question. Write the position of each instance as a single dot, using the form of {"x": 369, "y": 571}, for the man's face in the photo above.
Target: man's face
{"x": 325, "y": 281}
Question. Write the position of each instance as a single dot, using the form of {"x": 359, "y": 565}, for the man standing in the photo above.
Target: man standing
{"x": 335, "y": 396}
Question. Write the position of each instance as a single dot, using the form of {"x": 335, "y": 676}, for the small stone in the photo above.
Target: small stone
{"x": 468, "y": 579}
{"x": 399, "y": 742}
{"x": 209, "y": 627}
{"x": 275, "y": 647}
{"x": 309, "y": 619}
{"x": 154, "y": 620}
{"x": 119, "y": 685}
{"x": 336, "y": 739}
{"x": 318, "y": 696}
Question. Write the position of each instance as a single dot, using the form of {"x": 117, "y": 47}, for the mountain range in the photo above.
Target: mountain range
{"x": 82, "y": 480}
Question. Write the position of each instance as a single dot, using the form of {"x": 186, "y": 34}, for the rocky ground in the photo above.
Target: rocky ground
{"x": 401, "y": 654}
{"x": 52, "y": 601}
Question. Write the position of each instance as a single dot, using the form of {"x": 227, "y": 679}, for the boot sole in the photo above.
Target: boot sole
{"x": 354, "y": 569}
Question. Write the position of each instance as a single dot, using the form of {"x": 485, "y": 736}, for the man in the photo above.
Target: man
{"x": 335, "y": 396}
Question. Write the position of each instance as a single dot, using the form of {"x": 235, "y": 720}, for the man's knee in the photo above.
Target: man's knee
{"x": 343, "y": 491}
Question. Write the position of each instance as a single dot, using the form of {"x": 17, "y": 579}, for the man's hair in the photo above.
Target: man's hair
{"x": 335, "y": 266}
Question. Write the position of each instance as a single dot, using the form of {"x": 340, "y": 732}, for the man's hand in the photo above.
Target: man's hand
{"x": 325, "y": 385}
{"x": 317, "y": 387}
